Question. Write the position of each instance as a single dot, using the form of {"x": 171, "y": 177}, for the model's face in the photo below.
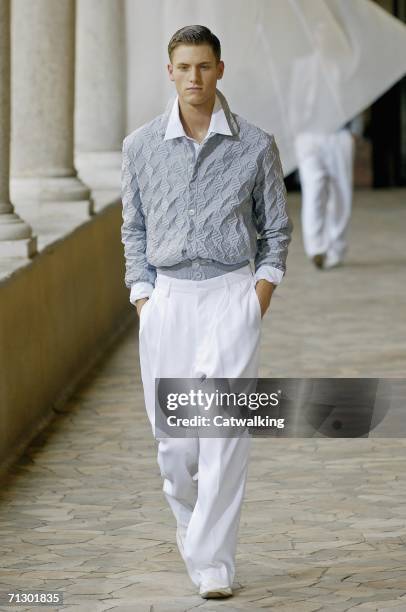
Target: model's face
{"x": 195, "y": 72}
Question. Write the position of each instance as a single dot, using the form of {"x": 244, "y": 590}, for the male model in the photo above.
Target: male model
{"x": 198, "y": 184}
{"x": 326, "y": 177}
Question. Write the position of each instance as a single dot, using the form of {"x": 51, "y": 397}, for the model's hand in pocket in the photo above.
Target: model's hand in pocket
{"x": 264, "y": 290}
{"x": 139, "y": 304}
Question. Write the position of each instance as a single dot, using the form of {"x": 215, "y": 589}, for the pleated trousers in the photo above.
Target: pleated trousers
{"x": 326, "y": 176}
{"x": 190, "y": 329}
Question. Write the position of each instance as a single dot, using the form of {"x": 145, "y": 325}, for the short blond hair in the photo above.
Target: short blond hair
{"x": 195, "y": 35}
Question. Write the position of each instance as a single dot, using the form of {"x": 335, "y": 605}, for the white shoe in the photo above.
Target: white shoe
{"x": 332, "y": 261}
{"x": 215, "y": 592}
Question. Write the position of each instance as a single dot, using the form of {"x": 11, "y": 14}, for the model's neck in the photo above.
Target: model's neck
{"x": 196, "y": 118}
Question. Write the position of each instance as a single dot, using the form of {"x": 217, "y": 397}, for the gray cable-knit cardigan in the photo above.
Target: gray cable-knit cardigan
{"x": 228, "y": 205}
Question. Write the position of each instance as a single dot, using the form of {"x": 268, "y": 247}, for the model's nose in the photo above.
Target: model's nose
{"x": 194, "y": 76}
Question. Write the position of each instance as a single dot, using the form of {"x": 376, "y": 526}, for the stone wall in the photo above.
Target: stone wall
{"x": 58, "y": 313}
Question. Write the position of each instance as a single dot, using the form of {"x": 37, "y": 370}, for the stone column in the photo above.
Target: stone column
{"x": 43, "y": 54}
{"x": 15, "y": 235}
{"x": 100, "y": 116}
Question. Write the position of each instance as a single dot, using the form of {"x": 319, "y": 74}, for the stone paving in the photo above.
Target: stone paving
{"x": 324, "y": 521}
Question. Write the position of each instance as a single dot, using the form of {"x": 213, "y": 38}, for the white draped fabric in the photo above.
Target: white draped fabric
{"x": 291, "y": 65}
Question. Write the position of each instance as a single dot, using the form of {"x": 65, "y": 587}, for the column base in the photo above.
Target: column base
{"x": 24, "y": 247}
{"x": 12, "y": 227}
{"x": 48, "y": 189}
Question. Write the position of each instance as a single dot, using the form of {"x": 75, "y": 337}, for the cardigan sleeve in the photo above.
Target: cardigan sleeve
{"x": 270, "y": 213}
{"x": 133, "y": 230}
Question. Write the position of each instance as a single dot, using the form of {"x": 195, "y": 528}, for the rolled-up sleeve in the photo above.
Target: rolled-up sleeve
{"x": 270, "y": 213}
{"x": 133, "y": 230}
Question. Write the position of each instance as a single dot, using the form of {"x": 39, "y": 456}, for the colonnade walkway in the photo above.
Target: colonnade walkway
{"x": 324, "y": 522}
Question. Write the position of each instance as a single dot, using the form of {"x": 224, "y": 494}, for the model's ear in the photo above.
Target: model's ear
{"x": 220, "y": 69}
{"x": 170, "y": 71}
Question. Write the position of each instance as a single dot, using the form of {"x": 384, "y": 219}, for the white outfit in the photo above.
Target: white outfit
{"x": 326, "y": 174}
{"x": 189, "y": 329}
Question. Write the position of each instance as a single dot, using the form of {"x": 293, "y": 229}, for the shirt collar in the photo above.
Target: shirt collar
{"x": 218, "y": 121}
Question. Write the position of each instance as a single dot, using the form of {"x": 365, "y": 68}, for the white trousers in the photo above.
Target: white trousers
{"x": 187, "y": 329}
{"x": 326, "y": 174}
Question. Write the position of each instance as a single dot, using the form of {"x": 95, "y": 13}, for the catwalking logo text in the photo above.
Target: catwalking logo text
{"x": 222, "y": 421}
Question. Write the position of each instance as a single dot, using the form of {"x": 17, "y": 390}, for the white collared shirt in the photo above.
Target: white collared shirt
{"x": 218, "y": 124}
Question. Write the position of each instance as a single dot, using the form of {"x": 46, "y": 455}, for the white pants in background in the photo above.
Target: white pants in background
{"x": 189, "y": 329}
{"x": 326, "y": 174}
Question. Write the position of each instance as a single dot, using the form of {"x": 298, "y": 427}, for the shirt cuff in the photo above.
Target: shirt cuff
{"x": 269, "y": 273}
{"x": 140, "y": 290}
